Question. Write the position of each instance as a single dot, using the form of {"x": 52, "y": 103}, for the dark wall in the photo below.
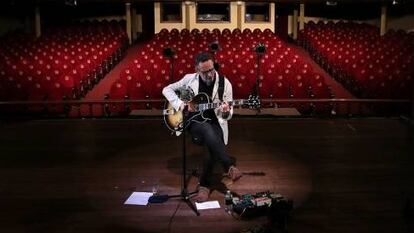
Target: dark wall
{"x": 146, "y": 9}
{"x": 60, "y": 14}
{"x": 348, "y": 11}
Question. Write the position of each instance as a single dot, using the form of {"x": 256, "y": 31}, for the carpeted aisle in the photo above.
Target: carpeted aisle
{"x": 337, "y": 88}
{"x": 103, "y": 87}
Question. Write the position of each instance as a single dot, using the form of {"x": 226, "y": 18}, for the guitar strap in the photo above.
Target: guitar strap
{"x": 221, "y": 87}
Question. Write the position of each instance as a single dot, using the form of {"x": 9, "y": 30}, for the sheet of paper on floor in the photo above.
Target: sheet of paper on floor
{"x": 207, "y": 205}
{"x": 138, "y": 198}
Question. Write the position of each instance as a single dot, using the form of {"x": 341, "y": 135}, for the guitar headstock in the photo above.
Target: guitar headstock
{"x": 253, "y": 101}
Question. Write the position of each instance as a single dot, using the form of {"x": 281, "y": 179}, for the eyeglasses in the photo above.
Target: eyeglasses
{"x": 207, "y": 72}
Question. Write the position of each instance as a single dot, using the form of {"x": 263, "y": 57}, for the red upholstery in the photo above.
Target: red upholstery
{"x": 368, "y": 64}
{"x": 74, "y": 56}
{"x": 151, "y": 71}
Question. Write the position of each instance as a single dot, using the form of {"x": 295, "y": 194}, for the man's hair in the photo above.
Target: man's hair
{"x": 202, "y": 57}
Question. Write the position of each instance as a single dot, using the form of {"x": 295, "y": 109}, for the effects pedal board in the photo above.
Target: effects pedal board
{"x": 261, "y": 203}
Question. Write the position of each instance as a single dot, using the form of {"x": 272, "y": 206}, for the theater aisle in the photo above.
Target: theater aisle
{"x": 103, "y": 87}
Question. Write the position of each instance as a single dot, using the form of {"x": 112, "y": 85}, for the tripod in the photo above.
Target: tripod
{"x": 185, "y": 195}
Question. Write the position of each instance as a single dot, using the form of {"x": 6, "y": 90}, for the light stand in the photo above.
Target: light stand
{"x": 214, "y": 47}
{"x": 169, "y": 53}
{"x": 260, "y": 49}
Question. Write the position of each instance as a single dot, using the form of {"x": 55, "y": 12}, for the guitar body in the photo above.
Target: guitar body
{"x": 201, "y": 98}
{"x": 174, "y": 119}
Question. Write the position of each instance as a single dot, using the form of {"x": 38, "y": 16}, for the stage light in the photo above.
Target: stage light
{"x": 169, "y": 52}
{"x": 214, "y": 46}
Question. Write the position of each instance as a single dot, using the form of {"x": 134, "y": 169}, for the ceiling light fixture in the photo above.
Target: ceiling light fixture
{"x": 71, "y": 2}
{"x": 331, "y": 3}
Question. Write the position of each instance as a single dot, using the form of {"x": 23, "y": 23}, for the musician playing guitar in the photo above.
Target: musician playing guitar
{"x": 209, "y": 128}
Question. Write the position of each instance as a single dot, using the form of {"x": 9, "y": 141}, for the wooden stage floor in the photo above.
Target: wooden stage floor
{"x": 344, "y": 175}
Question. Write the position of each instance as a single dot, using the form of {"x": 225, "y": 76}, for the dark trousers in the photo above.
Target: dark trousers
{"x": 210, "y": 135}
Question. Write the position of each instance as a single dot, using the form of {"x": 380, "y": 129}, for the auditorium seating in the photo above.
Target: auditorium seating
{"x": 282, "y": 72}
{"x": 369, "y": 65}
{"x": 64, "y": 63}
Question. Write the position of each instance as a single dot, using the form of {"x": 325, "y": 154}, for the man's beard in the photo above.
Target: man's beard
{"x": 209, "y": 82}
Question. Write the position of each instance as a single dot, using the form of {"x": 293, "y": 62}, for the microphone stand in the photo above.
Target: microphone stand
{"x": 257, "y": 84}
{"x": 184, "y": 195}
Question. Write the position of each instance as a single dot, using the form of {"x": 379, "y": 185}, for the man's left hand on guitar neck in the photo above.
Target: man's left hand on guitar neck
{"x": 224, "y": 107}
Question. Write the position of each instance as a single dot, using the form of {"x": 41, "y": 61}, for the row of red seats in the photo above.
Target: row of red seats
{"x": 283, "y": 73}
{"x": 61, "y": 63}
{"x": 369, "y": 65}
{"x": 215, "y": 32}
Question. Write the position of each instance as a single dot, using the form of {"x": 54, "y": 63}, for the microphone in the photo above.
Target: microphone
{"x": 186, "y": 93}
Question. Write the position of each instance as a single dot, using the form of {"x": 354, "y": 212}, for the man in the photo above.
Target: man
{"x": 212, "y": 133}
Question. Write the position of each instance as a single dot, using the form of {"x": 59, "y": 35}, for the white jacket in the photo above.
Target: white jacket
{"x": 191, "y": 81}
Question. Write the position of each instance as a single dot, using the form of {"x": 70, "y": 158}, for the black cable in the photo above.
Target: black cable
{"x": 172, "y": 217}
{"x": 176, "y": 209}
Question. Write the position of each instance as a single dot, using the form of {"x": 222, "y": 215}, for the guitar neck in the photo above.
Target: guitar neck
{"x": 202, "y": 107}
